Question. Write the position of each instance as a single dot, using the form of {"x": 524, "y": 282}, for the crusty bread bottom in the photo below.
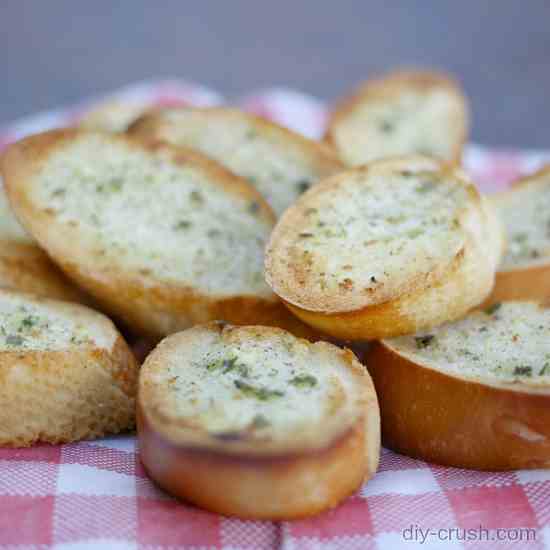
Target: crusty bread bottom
{"x": 276, "y": 488}
{"x": 455, "y": 422}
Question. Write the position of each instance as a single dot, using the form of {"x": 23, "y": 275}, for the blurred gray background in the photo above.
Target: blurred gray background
{"x": 59, "y": 51}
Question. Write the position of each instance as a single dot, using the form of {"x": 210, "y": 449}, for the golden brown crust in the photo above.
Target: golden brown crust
{"x": 145, "y": 304}
{"x": 456, "y": 422}
{"x": 233, "y": 478}
{"x": 277, "y": 488}
{"x": 384, "y": 86}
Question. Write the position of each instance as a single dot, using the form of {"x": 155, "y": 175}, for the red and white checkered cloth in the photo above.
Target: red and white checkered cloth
{"x": 96, "y": 495}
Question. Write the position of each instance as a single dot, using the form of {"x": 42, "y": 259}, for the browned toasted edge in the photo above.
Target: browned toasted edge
{"x": 458, "y": 422}
{"x": 285, "y": 485}
{"x": 394, "y": 80}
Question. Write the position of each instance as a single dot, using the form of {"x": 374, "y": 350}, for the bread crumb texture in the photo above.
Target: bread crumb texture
{"x": 525, "y": 212}
{"x": 507, "y": 343}
{"x": 30, "y": 324}
{"x": 151, "y": 215}
{"x": 254, "y": 385}
{"x": 370, "y": 236}
{"x": 279, "y": 163}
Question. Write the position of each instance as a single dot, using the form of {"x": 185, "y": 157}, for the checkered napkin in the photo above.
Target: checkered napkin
{"x": 96, "y": 494}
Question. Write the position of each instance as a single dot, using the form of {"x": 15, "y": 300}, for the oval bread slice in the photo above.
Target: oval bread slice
{"x": 278, "y": 162}
{"x": 255, "y": 423}
{"x": 385, "y": 250}
{"x": 471, "y": 394}
{"x": 401, "y": 113}
{"x": 163, "y": 237}
{"x": 524, "y": 273}
{"x": 66, "y": 373}
{"x": 26, "y": 267}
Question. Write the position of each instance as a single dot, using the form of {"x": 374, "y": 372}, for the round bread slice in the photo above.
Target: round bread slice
{"x": 472, "y": 394}
{"x": 278, "y": 162}
{"x": 401, "y": 113}
{"x": 66, "y": 373}
{"x": 26, "y": 267}
{"x": 163, "y": 237}
{"x": 255, "y": 423}
{"x": 112, "y": 116}
{"x": 524, "y": 273}
{"x": 385, "y": 249}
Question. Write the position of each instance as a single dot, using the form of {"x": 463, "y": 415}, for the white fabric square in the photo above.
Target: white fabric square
{"x": 97, "y": 543}
{"x": 396, "y": 540}
{"x": 532, "y": 476}
{"x": 401, "y": 482}
{"x": 87, "y": 480}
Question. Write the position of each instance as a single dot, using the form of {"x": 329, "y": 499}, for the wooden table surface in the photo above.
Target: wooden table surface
{"x": 58, "y": 52}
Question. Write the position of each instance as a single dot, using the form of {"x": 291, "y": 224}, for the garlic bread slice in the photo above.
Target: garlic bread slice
{"x": 256, "y": 423}
{"x": 401, "y": 113}
{"x": 66, "y": 373}
{"x": 281, "y": 164}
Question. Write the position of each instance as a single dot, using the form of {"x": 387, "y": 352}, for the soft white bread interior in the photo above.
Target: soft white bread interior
{"x": 253, "y": 422}
{"x": 524, "y": 210}
{"x": 112, "y": 116}
{"x": 474, "y": 393}
{"x": 26, "y": 267}
{"x": 162, "y": 236}
{"x": 401, "y": 113}
{"x": 65, "y": 373}
{"x": 385, "y": 249}
{"x": 278, "y": 162}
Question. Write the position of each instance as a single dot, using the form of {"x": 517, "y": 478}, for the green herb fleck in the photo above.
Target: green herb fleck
{"x": 14, "y": 340}
{"x": 519, "y": 237}
{"x": 305, "y": 235}
{"x": 304, "y": 381}
{"x": 425, "y": 187}
{"x": 260, "y": 421}
{"x": 253, "y": 207}
{"x": 251, "y": 134}
{"x": 386, "y": 126}
{"x": 261, "y": 393}
{"x": 196, "y": 197}
{"x": 491, "y": 310}
{"x": 523, "y": 371}
{"x": 182, "y": 224}
{"x": 424, "y": 341}
{"x": 29, "y": 321}
{"x": 115, "y": 184}
{"x": 544, "y": 369}
{"x": 59, "y": 192}
{"x": 213, "y": 233}
{"x": 303, "y": 186}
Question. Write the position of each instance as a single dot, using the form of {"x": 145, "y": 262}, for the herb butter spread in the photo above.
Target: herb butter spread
{"x": 508, "y": 342}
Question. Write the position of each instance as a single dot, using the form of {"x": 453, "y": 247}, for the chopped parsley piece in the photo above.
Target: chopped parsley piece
{"x": 304, "y": 381}
{"x": 373, "y": 279}
{"x": 14, "y": 340}
{"x": 196, "y": 197}
{"x": 303, "y": 186}
{"x": 261, "y": 393}
{"x": 544, "y": 369}
{"x": 424, "y": 341}
{"x": 260, "y": 421}
{"x": 425, "y": 187}
{"x": 520, "y": 237}
{"x": 253, "y": 207}
{"x": 491, "y": 310}
{"x": 182, "y": 224}
{"x": 523, "y": 371}
{"x": 305, "y": 235}
{"x": 29, "y": 321}
{"x": 116, "y": 184}
{"x": 386, "y": 126}
{"x": 213, "y": 233}
{"x": 59, "y": 192}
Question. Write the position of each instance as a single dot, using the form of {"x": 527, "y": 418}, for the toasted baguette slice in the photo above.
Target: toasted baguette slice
{"x": 401, "y": 113}
{"x": 524, "y": 273}
{"x": 26, "y": 267}
{"x": 255, "y": 423}
{"x": 473, "y": 394}
{"x": 278, "y": 162}
{"x": 163, "y": 237}
{"x": 385, "y": 250}
{"x": 112, "y": 116}
{"x": 65, "y": 372}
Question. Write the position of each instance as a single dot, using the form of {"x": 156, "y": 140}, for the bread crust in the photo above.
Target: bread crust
{"x": 145, "y": 304}
{"x": 249, "y": 481}
{"x": 458, "y": 422}
{"x": 442, "y": 295}
{"x": 385, "y": 86}
{"x": 59, "y": 396}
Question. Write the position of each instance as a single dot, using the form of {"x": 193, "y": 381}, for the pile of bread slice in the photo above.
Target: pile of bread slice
{"x": 253, "y": 258}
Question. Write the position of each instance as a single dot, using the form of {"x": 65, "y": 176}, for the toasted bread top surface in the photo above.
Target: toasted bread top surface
{"x": 155, "y": 212}
{"x": 402, "y": 113}
{"x": 112, "y": 116}
{"x": 10, "y": 228}
{"x": 29, "y": 323}
{"x": 278, "y": 162}
{"x": 370, "y": 234}
{"x": 525, "y": 212}
{"x": 252, "y": 388}
{"x": 508, "y": 343}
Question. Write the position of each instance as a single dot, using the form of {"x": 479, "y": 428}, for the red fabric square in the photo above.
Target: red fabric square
{"x": 38, "y": 453}
{"x": 26, "y": 520}
{"x": 352, "y": 517}
{"x": 492, "y": 507}
{"x": 165, "y": 522}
